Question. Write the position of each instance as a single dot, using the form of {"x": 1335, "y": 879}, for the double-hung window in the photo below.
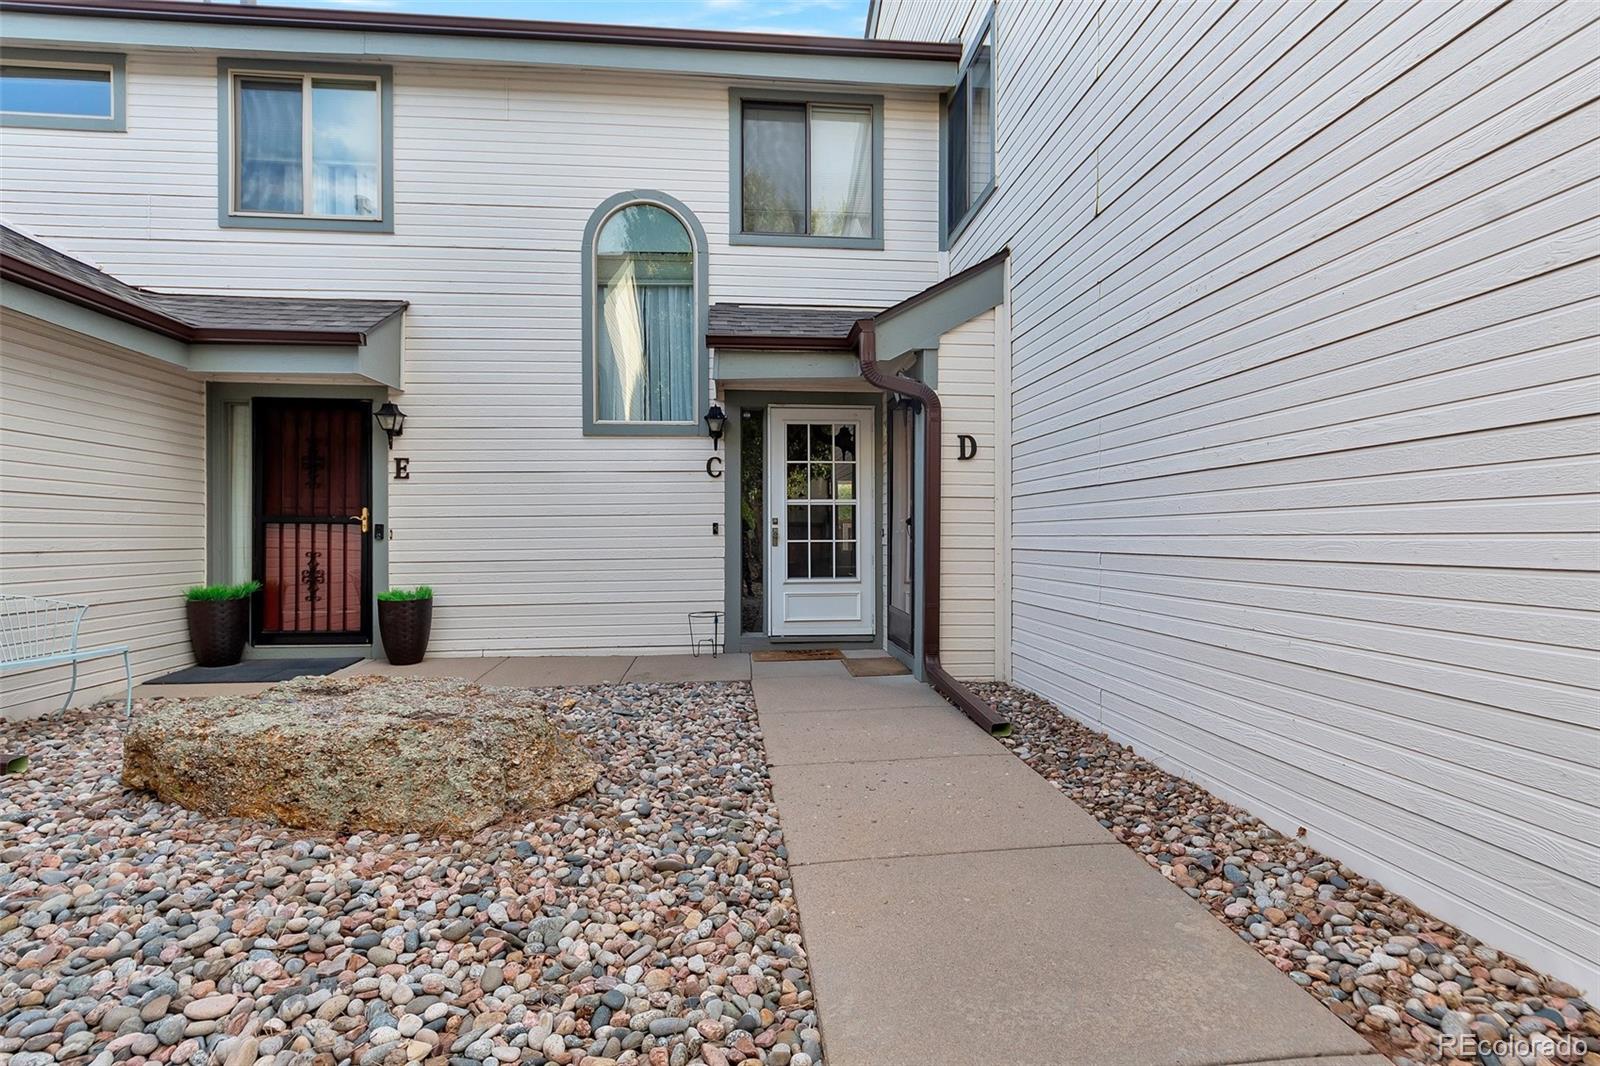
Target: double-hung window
{"x": 307, "y": 148}
{"x": 969, "y": 135}
{"x": 62, "y": 90}
{"x": 807, "y": 170}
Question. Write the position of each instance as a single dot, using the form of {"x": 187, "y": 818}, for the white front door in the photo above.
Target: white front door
{"x": 819, "y": 534}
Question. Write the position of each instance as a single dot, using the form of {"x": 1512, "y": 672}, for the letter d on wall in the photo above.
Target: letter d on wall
{"x": 969, "y": 446}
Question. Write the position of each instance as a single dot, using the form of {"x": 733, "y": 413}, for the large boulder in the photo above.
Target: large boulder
{"x": 393, "y": 754}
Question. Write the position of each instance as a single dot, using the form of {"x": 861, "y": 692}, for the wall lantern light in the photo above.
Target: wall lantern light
{"x": 391, "y": 420}
{"x": 716, "y": 422}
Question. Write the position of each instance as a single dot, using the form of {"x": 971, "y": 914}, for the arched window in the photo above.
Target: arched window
{"x": 644, "y": 299}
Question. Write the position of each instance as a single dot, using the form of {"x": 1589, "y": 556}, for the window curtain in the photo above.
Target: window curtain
{"x": 270, "y": 176}
{"x": 841, "y": 171}
{"x": 646, "y": 351}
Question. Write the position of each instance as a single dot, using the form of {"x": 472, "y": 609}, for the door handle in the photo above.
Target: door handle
{"x": 365, "y": 518}
{"x": 774, "y": 532}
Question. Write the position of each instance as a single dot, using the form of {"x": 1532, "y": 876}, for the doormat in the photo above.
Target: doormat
{"x": 255, "y": 670}
{"x": 796, "y": 656}
{"x": 877, "y": 666}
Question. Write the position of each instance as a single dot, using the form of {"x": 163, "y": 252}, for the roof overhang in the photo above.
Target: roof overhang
{"x": 814, "y": 352}
{"x": 371, "y": 357}
{"x": 392, "y": 36}
{"x": 918, "y": 321}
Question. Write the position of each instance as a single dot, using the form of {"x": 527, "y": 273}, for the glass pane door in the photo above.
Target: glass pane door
{"x": 820, "y": 501}
{"x": 819, "y": 575}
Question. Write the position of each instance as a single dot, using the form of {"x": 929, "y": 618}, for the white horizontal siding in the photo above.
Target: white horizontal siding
{"x": 967, "y": 563}
{"x": 102, "y": 501}
{"x": 536, "y": 538}
{"x": 1304, "y": 334}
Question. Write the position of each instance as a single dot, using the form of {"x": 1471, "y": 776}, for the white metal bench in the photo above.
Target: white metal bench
{"x": 38, "y": 632}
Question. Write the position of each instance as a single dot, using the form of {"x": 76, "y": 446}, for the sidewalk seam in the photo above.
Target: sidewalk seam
{"x": 857, "y": 762}
{"x": 795, "y": 864}
{"x": 1331, "y": 1057}
{"x": 902, "y": 758}
{"x": 860, "y": 710}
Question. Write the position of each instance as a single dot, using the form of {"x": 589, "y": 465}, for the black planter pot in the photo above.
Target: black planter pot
{"x": 404, "y": 626}
{"x": 218, "y": 630}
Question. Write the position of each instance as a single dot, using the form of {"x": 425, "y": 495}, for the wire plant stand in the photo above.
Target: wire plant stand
{"x": 699, "y": 622}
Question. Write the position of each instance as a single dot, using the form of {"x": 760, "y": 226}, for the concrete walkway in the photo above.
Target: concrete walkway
{"x": 957, "y": 908}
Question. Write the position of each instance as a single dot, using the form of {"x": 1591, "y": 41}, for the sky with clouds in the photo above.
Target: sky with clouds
{"x": 838, "y": 18}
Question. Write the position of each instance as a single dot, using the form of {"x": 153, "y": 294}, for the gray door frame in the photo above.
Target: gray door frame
{"x": 735, "y": 402}
{"x": 219, "y": 523}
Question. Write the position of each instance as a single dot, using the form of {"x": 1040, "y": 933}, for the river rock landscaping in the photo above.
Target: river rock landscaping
{"x": 649, "y": 921}
{"x": 1418, "y": 989}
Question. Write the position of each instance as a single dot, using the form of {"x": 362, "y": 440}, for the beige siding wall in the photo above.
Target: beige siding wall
{"x": 536, "y": 538}
{"x": 969, "y": 572}
{"x": 102, "y": 501}
{"x": 1304, "y": 319}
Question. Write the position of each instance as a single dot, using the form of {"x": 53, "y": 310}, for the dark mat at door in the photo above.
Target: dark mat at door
{"x": 255, "y": 670}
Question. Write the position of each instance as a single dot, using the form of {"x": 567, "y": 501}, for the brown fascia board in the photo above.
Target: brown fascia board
{"x": 475, "y": 26}
{"x": 21, "y": 272}
{"x": 780, "y": 343}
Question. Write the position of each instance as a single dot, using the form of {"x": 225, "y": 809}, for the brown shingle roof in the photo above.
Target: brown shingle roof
{"x": 191, "y": 317}
{"x": 781, "y": 326}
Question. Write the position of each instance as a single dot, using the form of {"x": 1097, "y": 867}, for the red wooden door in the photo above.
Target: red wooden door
{"x": 313, "y": 498}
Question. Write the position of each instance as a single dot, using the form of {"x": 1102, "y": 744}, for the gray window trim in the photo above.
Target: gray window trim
{"x": 225, "y": 214}
{"x": 736, "y": 101}
{"x": 593, "y": 427}
{"x": 951, "y": 229}
{"x": 118, "y": 120}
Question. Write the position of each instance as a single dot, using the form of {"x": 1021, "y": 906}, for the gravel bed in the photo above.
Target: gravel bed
{"x": 651, "y": 921}
{"x": 1420, "y": 990}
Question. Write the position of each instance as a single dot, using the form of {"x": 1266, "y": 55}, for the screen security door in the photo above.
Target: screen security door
{"x": 819, "y": 529}
{"x": 313, "y": 521}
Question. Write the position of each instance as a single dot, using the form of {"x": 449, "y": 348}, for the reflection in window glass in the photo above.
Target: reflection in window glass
{"x": 26, "y": 89}
{"x": 845, "y": 559}
{"x": 772, "y": 193}
{"x": 980, "y": 121}
{"x": 752, "y": 520}
{"x": 345, "y": 135}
